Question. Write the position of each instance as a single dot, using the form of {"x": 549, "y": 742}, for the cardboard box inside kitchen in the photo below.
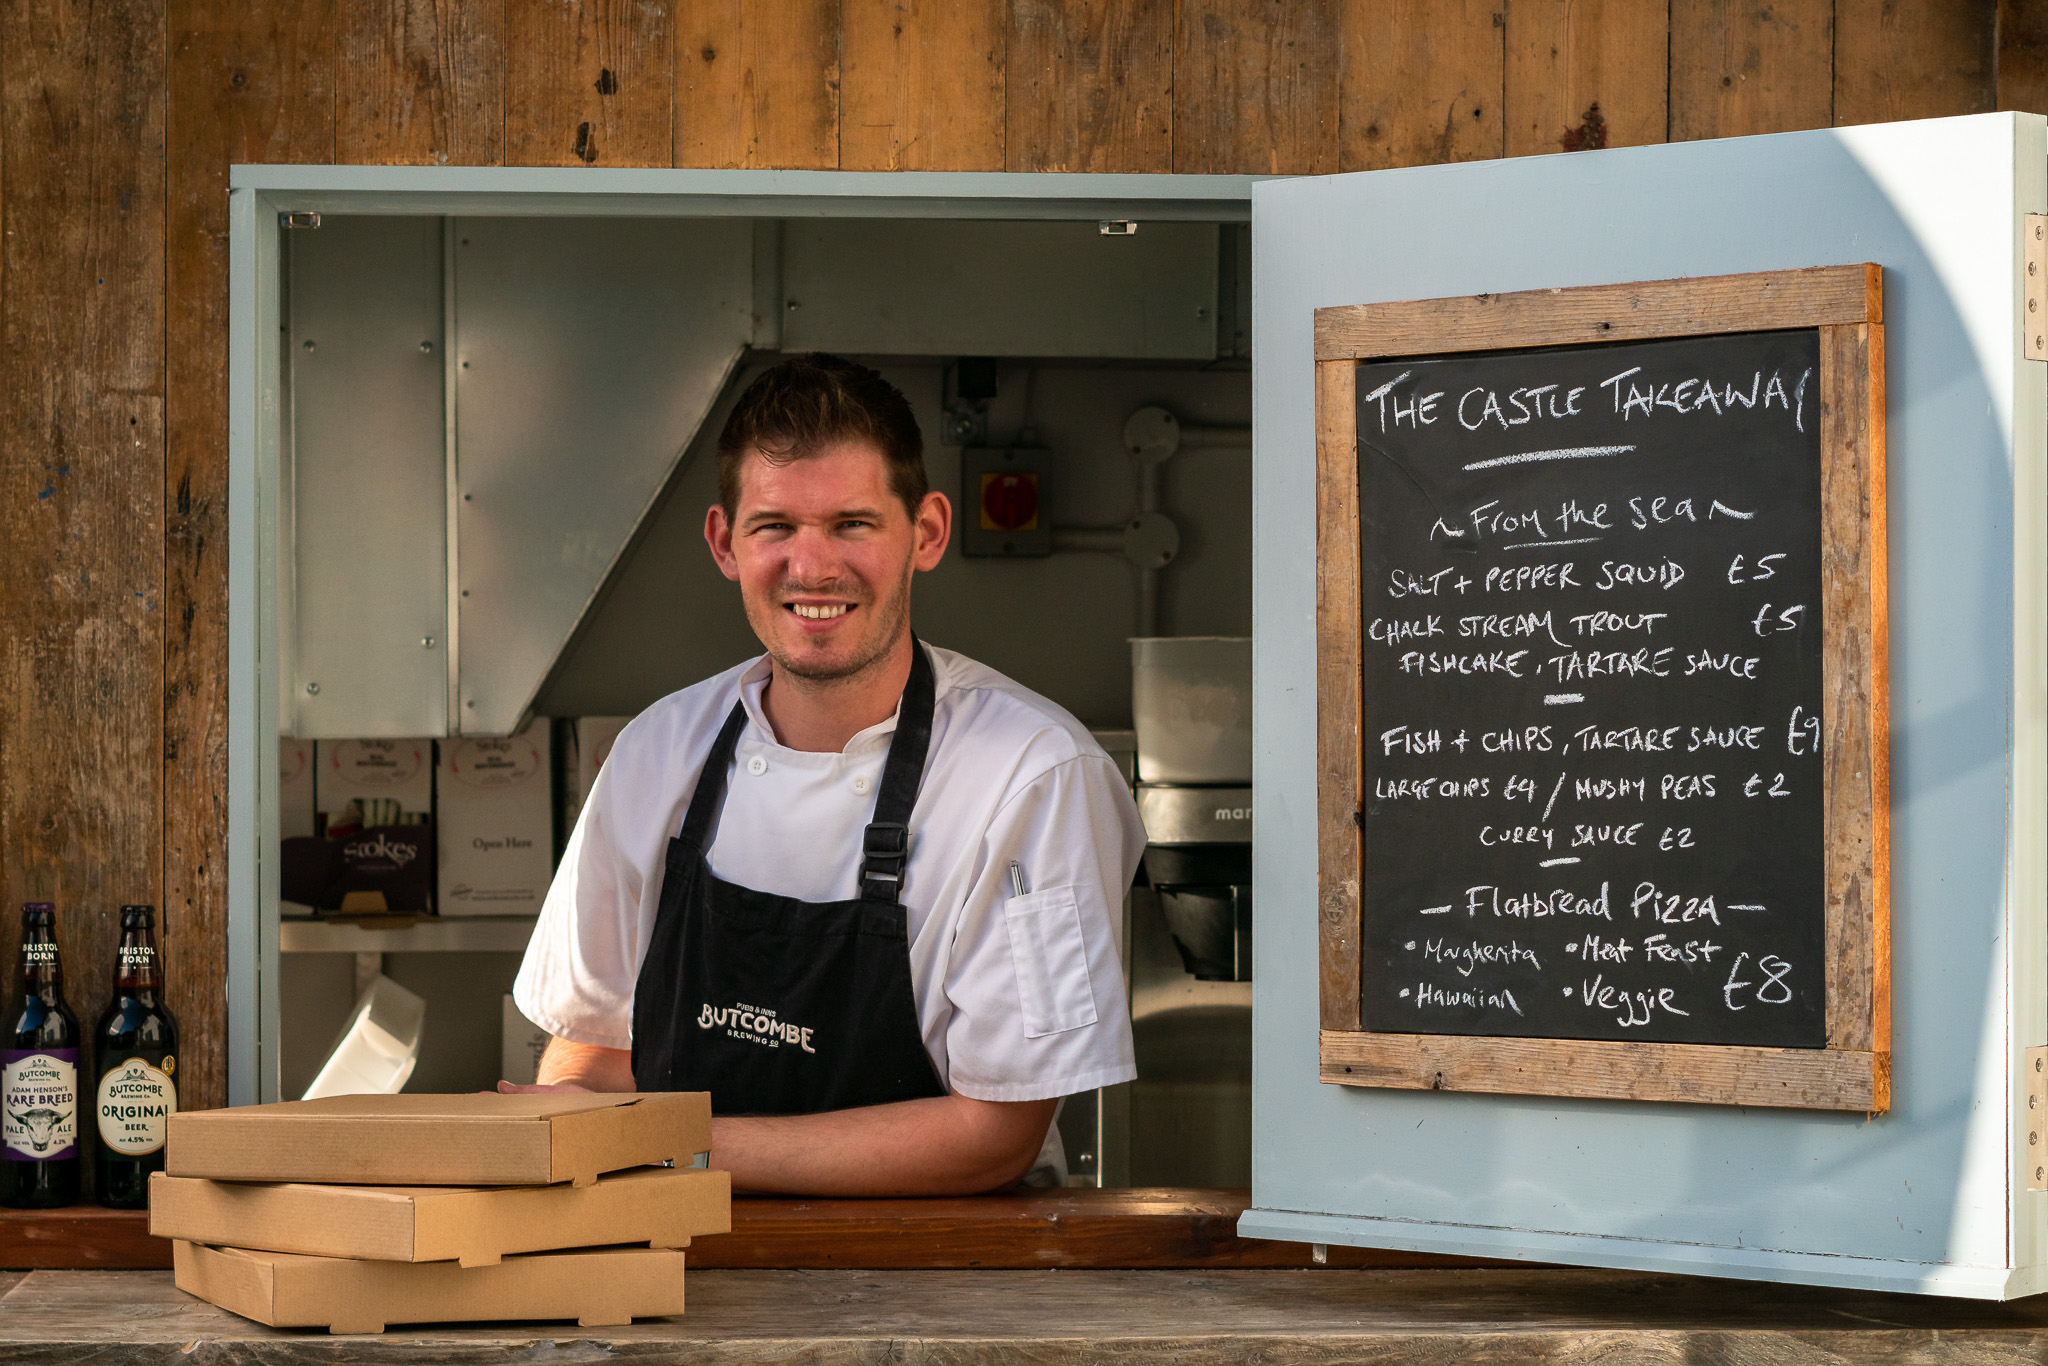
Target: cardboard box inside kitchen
{"x": 390, "y": 782}
{"x": 598, "y": 1286}
{"x": 496, "y": 819}
{"x": 441, "y": 1140}
{"x": 471, "y": 1226}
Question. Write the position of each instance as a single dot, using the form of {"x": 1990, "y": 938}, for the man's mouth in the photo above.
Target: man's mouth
{"x": 820, "y": 612}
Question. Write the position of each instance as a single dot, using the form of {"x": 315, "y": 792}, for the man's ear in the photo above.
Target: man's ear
{"x": 718, "y": 535}
{"x": 933, "y": 527}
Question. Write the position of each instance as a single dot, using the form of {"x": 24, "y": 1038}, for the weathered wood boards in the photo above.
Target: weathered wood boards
{"x": 1802, "y": 888}
{"x": 1188, "y": 85}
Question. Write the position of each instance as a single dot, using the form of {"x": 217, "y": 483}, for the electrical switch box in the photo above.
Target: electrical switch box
{"x": 1002, "y": 502}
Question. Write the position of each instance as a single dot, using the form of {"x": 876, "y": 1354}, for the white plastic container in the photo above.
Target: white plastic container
{"x": 1191, "y": 700}
{"x": 378, "y": 1049}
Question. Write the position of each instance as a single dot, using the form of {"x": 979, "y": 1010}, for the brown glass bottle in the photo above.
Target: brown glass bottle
{"x": 40, "y": 1127}
{"x": 137, "y": 1048}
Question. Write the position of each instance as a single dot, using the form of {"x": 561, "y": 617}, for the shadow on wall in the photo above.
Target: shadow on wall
{"x": 667, "y": 617}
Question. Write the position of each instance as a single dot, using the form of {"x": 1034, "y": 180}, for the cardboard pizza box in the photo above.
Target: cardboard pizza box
{"x": 436, "y": 1140}
{"x": 342, "y": 1295}
{"x": 475, "y": 1226}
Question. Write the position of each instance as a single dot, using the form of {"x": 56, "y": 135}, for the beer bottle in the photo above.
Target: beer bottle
{"x": 137, "y": 1046}
{"x": 39, "y": 1119}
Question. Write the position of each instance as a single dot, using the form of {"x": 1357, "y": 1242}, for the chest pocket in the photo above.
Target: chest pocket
{"x": 1051, "y": 957}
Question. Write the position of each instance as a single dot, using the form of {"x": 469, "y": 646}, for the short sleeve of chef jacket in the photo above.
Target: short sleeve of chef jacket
{"x": 1018, "y": 997}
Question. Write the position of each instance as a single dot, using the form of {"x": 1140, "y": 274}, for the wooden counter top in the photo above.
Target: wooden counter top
{"x": 1274, "y": 1318}
{"x": 1033, "y": 1228}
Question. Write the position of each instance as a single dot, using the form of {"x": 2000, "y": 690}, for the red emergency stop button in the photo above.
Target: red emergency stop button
{"x": 1009, "y": 502}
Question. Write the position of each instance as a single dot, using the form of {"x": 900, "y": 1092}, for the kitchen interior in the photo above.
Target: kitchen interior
{"x": 500, "y": 442}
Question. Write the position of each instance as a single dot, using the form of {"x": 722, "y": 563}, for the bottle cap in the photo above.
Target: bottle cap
{"x": 137, "y": 917}
{"x": 38, "y": 913}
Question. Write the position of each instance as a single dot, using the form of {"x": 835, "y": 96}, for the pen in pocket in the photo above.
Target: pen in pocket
{"x": 1016, "y": 878}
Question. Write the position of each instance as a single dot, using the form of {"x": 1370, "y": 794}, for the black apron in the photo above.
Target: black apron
{"x": 778, "y": 1006}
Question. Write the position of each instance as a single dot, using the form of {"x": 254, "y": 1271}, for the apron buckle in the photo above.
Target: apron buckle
{"x": 885, "y": 848}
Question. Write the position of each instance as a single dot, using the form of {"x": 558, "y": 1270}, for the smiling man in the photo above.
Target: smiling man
{"x": 864, "y": 891}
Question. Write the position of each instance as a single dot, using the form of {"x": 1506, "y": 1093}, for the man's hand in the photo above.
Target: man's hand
{"x": 946, "y": 1145}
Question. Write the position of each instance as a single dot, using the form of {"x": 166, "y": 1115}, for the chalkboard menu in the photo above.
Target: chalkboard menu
{"x": 1591, "y": 696}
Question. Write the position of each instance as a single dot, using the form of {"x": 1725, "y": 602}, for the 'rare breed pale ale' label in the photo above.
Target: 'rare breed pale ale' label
{"x": 38, "y": 1103}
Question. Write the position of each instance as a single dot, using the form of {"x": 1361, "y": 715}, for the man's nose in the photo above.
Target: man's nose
{"x": 813, "y": 556}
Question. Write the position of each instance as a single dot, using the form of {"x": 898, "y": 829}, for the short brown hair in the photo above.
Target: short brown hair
{"x": 796, "y": 408}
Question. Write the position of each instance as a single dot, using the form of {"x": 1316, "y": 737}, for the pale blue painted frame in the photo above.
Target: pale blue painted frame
{"x": 1930, "y": 1197}
{"x": 258, "y": 194}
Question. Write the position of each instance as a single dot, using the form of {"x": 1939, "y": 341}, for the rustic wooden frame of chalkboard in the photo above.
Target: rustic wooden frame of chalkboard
{"x": 1853, "y": 1072}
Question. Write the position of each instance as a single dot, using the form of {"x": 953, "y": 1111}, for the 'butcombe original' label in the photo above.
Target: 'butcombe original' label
{"x": 38, "y": 1103}
{"x": 136, "y": 1103}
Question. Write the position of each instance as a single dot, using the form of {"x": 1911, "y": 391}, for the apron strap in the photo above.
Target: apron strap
{"x": 885, "y": 846}
{"x": 703, "y": 813}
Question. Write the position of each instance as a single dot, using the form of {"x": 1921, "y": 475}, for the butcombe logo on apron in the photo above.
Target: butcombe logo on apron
{"x": 778, "y": 1006}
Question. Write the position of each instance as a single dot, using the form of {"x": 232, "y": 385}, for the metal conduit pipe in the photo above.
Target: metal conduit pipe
{"x": 1150, "y": 540}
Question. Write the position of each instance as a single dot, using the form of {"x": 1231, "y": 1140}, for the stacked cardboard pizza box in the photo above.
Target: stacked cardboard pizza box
{"x": 355, "y": 1212}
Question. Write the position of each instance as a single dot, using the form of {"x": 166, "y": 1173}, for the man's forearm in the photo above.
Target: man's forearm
{"x": 586, "y": 1066}
{"x": 947, "y": 1145}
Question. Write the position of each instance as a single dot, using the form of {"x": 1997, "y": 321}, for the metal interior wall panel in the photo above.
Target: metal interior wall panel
{"x": 588, "y": 353}
{"x": 908, "y": 287}
{"x": 366, "y": 521}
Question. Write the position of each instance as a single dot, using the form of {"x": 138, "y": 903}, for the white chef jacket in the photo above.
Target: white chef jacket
{"x": 1018, "y": 998}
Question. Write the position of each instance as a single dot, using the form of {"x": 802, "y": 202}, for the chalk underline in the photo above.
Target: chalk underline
{"x": 1537, "y": 545}
{"x": 1561, "y": 453}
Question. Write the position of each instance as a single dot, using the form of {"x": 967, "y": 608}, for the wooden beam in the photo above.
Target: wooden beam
{"x": 1255, "y": 87}
{"x": 247, "y": 84}
{"x": 420, "y": 82}
{"x": 923, "y": 85}
{"x": 1340, "y": 763}
{"x": 1854, "y": 654}
{"x": 1422, "y": 82}
{"x": 1925, "y": 60}
{"x": 1090, "y": 86}
{"x": 1077, "y": 1228}
{"x": 2023, "y": 56}
{"x": 588, "y": 83}
{"x": 1602, "y": 313}
{"x": 1711, "y": 1074}
{"x": 81, "y": 475}
{"x": 1586, "y": 74}
{"x": 1739, "y": 68}
{"x": 757, "y": 84}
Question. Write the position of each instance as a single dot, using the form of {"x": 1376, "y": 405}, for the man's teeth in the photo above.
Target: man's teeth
{"x": 819, "y": 613}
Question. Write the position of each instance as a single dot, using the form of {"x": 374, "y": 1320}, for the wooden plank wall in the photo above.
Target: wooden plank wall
{"x": 119, "y": 118}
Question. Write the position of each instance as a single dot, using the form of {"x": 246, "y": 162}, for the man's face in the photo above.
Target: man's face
{"x": 823, "y": 551}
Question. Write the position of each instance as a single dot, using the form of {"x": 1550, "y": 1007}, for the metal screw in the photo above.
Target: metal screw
{"x": 465, "y": 365}
{"x": 1201, "y": 312}
{"x": 426, "y": 642}
{"x": 468, "y": 497}
{"x": 312, "y": 690}
{"x": 792, "y": 305}
{"x": 426, "y": 346}
{"x": 308, "y": 343}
